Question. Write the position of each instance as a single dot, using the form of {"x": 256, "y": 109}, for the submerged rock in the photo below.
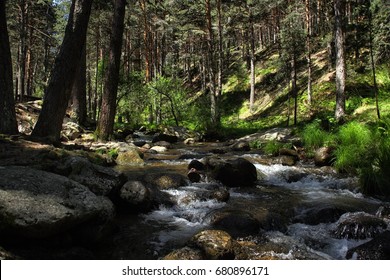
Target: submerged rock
{"x": 165, "y": 181}
{"x": 38, "y": 204}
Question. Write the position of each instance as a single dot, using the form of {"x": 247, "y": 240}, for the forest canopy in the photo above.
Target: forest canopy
{"x": 178, "y": 61}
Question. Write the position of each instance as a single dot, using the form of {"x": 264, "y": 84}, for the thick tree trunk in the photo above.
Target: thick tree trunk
{"x": 67, "y": 62}
{"x": 8, "y": 123}
{"x": 339, "y": 6}
{"x": 107, "y": 114}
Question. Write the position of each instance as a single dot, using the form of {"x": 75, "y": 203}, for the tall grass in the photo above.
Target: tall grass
{"x": 354, "y": 140}
{"x": 314, "y": 137}
{"x": 375, "y": 175}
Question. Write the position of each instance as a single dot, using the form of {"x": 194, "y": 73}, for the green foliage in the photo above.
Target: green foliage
{"x": 315, "y": 137}
{"x": 255, "y": 144}
{"x": 273, "y": 147}
{"x": 353, "y": 141}
{"x": 375, "y": 176}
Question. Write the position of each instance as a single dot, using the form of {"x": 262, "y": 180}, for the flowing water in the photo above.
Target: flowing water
{"x": 297, "y": 207}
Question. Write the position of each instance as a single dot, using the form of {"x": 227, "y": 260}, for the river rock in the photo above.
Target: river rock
{"x": 215, "y": 244}
{"x": 323, "y": 156}
{"x": 197, "y": 165}
{"x": 359, "y": 225}
{"x": 164, "y": 137}
{"x": 159, "y": 149}
{"x": 284, "y": 160}
{"x": 240, "y": 146}
{"x": 39, "y": 204}
{"x": 185, "y": 253}
{"x": 100, "y": 180}
{"x": 237, "y": 172}
{"x": 376, "y": 249}
{"x": 318, "y": 215}
{"x": 135, "y": 195}
{"x": 238, "y": 223}
{"x": 130, "y": 157}
{"x": 5, "y": 255}
{"x": 165, "y": 181}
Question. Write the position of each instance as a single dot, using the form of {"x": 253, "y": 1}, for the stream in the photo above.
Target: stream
{"x": 297, "y": 208}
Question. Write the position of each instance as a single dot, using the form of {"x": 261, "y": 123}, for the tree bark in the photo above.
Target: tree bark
{"x": 107, "y": 115}
{"x": 211, "y": 68}
{"x": 59, "y": 90}
{"x": 339, "y": 6}
{"x": 8, "y": 123}
{"x": 308, "y": 47}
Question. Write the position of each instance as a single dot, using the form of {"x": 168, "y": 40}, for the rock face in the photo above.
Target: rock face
{"x": 38, "y": 204}
{"x": 100, "y": 180}
{"x": 237, "y": 172}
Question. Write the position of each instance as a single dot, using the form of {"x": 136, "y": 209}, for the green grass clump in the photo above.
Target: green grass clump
{"x": 273, "y": 147}
{"x": 315, "y": 137}
{"x": 354, "y": 140}
{"x": 375, "y": 175}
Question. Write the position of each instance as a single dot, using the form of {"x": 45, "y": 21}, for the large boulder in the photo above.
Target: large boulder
{"x": 136, "y": 196}
{"x": 164, "y": 181}
{"x": 238, "y": 223}
{"x": 130, "y": 157}
{"x": 237, "y": 172}
{"x": 100, "y": 180}
{"x": 359, "y": 225}
{"x": 39, "y": 204}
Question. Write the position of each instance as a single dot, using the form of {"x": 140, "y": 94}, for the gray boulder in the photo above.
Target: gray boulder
{"x": 39, "y": 204}
{"x": 100, "y": 180}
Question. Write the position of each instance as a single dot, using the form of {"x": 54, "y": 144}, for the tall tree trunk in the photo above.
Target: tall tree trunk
{"x": 308, "y": 49}
{"x": 252, "y": 63}
{"x": 79, "y": 91}
{"x": 105, "y": 127}
{"x": 294, "y": 86}
{"x": 8, "y": 123}
{"x": 218, "y": 92}
{"x": 373, "y": 67}
{"x": 211, "y": 67}
{"x": 22, "y": 51}
{"x": 58, "y": 92}
{"x": 339, "y": 6}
